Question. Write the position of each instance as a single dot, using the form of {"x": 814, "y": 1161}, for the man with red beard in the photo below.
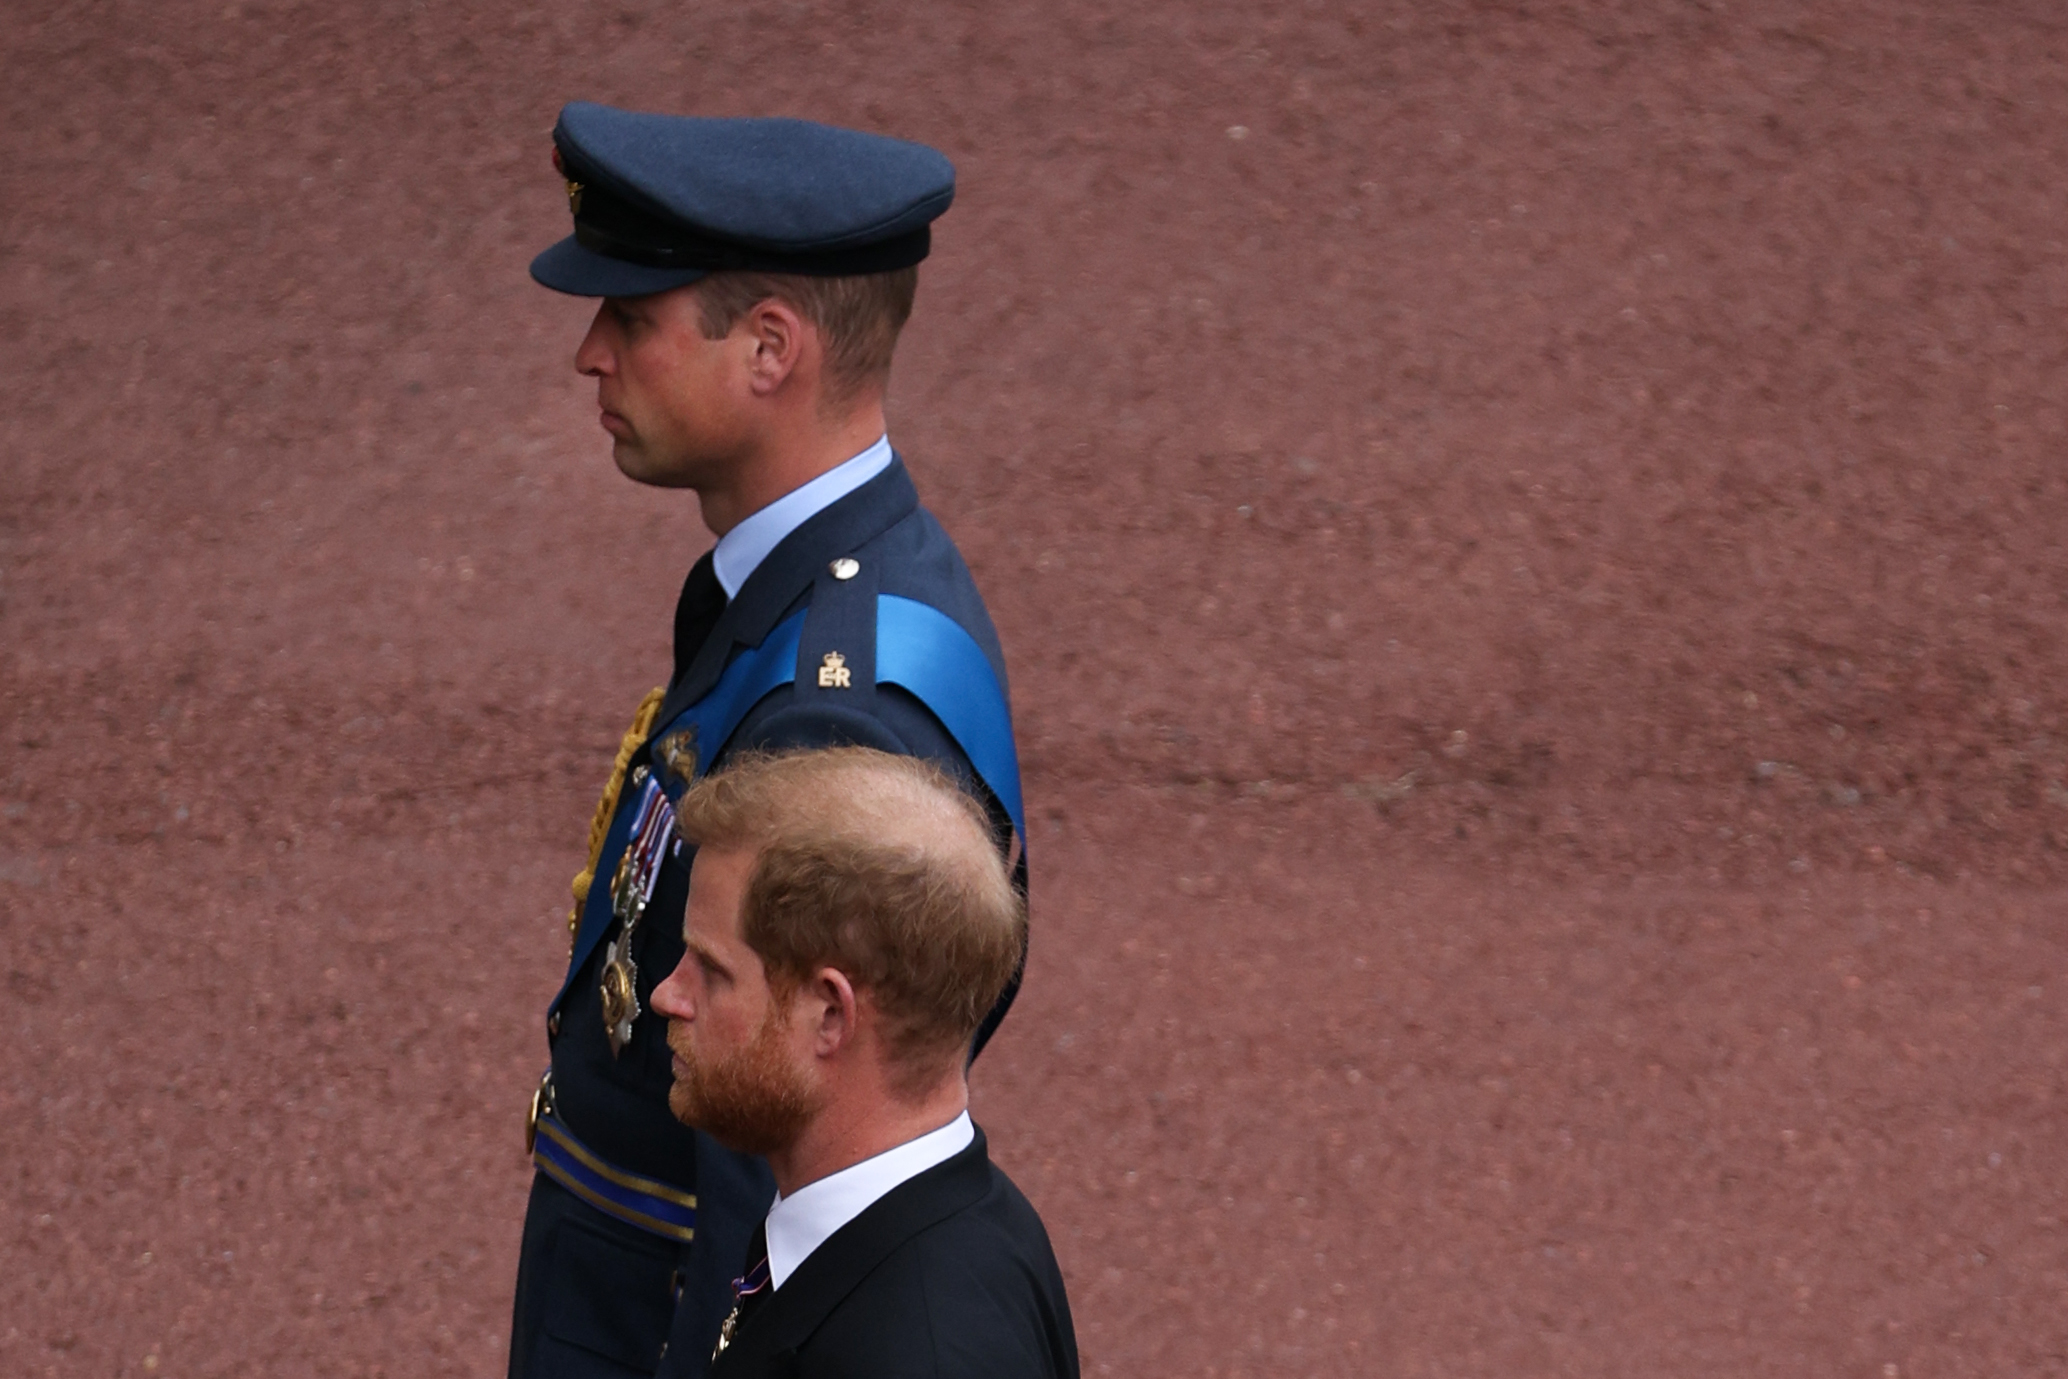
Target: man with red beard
{"x": 849, "y": 924}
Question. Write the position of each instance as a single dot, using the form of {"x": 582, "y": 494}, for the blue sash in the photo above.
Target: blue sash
{"x": 926, "y": 653}
{"x": 918, "y": 648}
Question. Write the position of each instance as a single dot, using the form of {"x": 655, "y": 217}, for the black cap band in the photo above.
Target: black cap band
{"x": 711, "y": 256}
{"x": 617, "y": 229}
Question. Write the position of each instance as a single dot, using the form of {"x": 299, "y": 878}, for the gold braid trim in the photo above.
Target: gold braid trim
{"x": 599, "y": 823}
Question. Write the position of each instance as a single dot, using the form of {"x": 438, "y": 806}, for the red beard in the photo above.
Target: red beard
{"x": 752, "y": 1101}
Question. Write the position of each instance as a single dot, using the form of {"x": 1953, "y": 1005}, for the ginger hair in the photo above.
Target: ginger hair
{"x": 879, "y": 866}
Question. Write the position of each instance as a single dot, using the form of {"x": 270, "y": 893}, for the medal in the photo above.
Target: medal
{"x": 620, "y": 992}
{"x": 631, "y": 887}
{"x": 620, "y": 988}
{"x": 743, "y": 1288}
{"x": 678, "y": 753}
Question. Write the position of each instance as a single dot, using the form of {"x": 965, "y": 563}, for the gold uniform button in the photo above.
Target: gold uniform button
{"x": 847, "y": 567}
{"x": 553, "y": 1024}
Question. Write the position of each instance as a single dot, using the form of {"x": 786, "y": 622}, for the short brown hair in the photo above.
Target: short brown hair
{"x": 858, "y": 318}
{"x": 879, "y": 866}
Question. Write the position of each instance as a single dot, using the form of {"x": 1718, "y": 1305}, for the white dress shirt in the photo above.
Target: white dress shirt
{"x": 801, "y": 1222}
{"x": 743, "y": 548}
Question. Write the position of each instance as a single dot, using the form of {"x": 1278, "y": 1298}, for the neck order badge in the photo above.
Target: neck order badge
{"x": 747, "y": 1292}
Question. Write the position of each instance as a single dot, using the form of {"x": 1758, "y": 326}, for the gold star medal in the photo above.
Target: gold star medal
{"x": 620, "y": 992}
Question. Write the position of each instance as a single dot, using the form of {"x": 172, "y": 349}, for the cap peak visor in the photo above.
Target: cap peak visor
{"x": 579, "y": 271}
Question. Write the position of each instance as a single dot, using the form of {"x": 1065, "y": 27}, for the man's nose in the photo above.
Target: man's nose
{"x": 592, "y": 356}
{"x": 673, "y": 998}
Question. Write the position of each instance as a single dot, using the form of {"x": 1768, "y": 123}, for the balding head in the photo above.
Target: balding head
{"x": 878, "y": 866}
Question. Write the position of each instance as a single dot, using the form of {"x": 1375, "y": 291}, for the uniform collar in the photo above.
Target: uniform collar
{"x": 740, "y": 551}
{"x": 785, "y": 575}
{"x": 801, "y": 1222}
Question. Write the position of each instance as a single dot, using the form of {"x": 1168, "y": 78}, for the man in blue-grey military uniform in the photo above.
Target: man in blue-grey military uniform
{"x": 754, "y": 274}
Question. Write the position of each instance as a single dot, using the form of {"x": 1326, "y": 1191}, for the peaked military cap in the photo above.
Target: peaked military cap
{"x": 663, "y": 200}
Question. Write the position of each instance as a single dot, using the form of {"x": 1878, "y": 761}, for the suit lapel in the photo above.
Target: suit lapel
{"x": 784, "y": 577}
{"x": 832, "y": 1271}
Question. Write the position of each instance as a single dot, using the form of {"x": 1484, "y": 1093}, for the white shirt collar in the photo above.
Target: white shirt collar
{"x": 803, "y": 1221}
{"x": 740, "y": 551}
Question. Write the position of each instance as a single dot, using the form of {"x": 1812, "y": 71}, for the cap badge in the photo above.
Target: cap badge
{"x": 574, "y": 188}
{"x": 834, "y": 674}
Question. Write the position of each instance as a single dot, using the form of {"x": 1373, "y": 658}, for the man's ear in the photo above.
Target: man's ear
{"x": 836, "y": 1010}
{"x": 780, "y": 338}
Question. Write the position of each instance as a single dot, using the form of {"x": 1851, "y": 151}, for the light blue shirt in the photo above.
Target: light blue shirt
{"x": 740, "y": 551}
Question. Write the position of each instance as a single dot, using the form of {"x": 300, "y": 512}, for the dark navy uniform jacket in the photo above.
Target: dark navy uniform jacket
{"x": 618, "y": 1105}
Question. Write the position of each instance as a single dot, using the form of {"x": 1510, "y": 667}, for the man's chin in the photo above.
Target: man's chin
{"x": 641, "y": 468}
{"x": 746, "y": 1118}
{"x": 631, "y": 461}
{"x": 741, "y": 1136}
{"x": 683, "y": 1103}
{"x": 695, "y": 1112}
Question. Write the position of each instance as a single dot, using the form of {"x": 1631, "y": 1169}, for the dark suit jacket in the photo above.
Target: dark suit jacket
{"x": 947, "y": 1276}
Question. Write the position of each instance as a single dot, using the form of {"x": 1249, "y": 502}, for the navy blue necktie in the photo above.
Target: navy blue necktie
{"x": 697, "y": 612}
